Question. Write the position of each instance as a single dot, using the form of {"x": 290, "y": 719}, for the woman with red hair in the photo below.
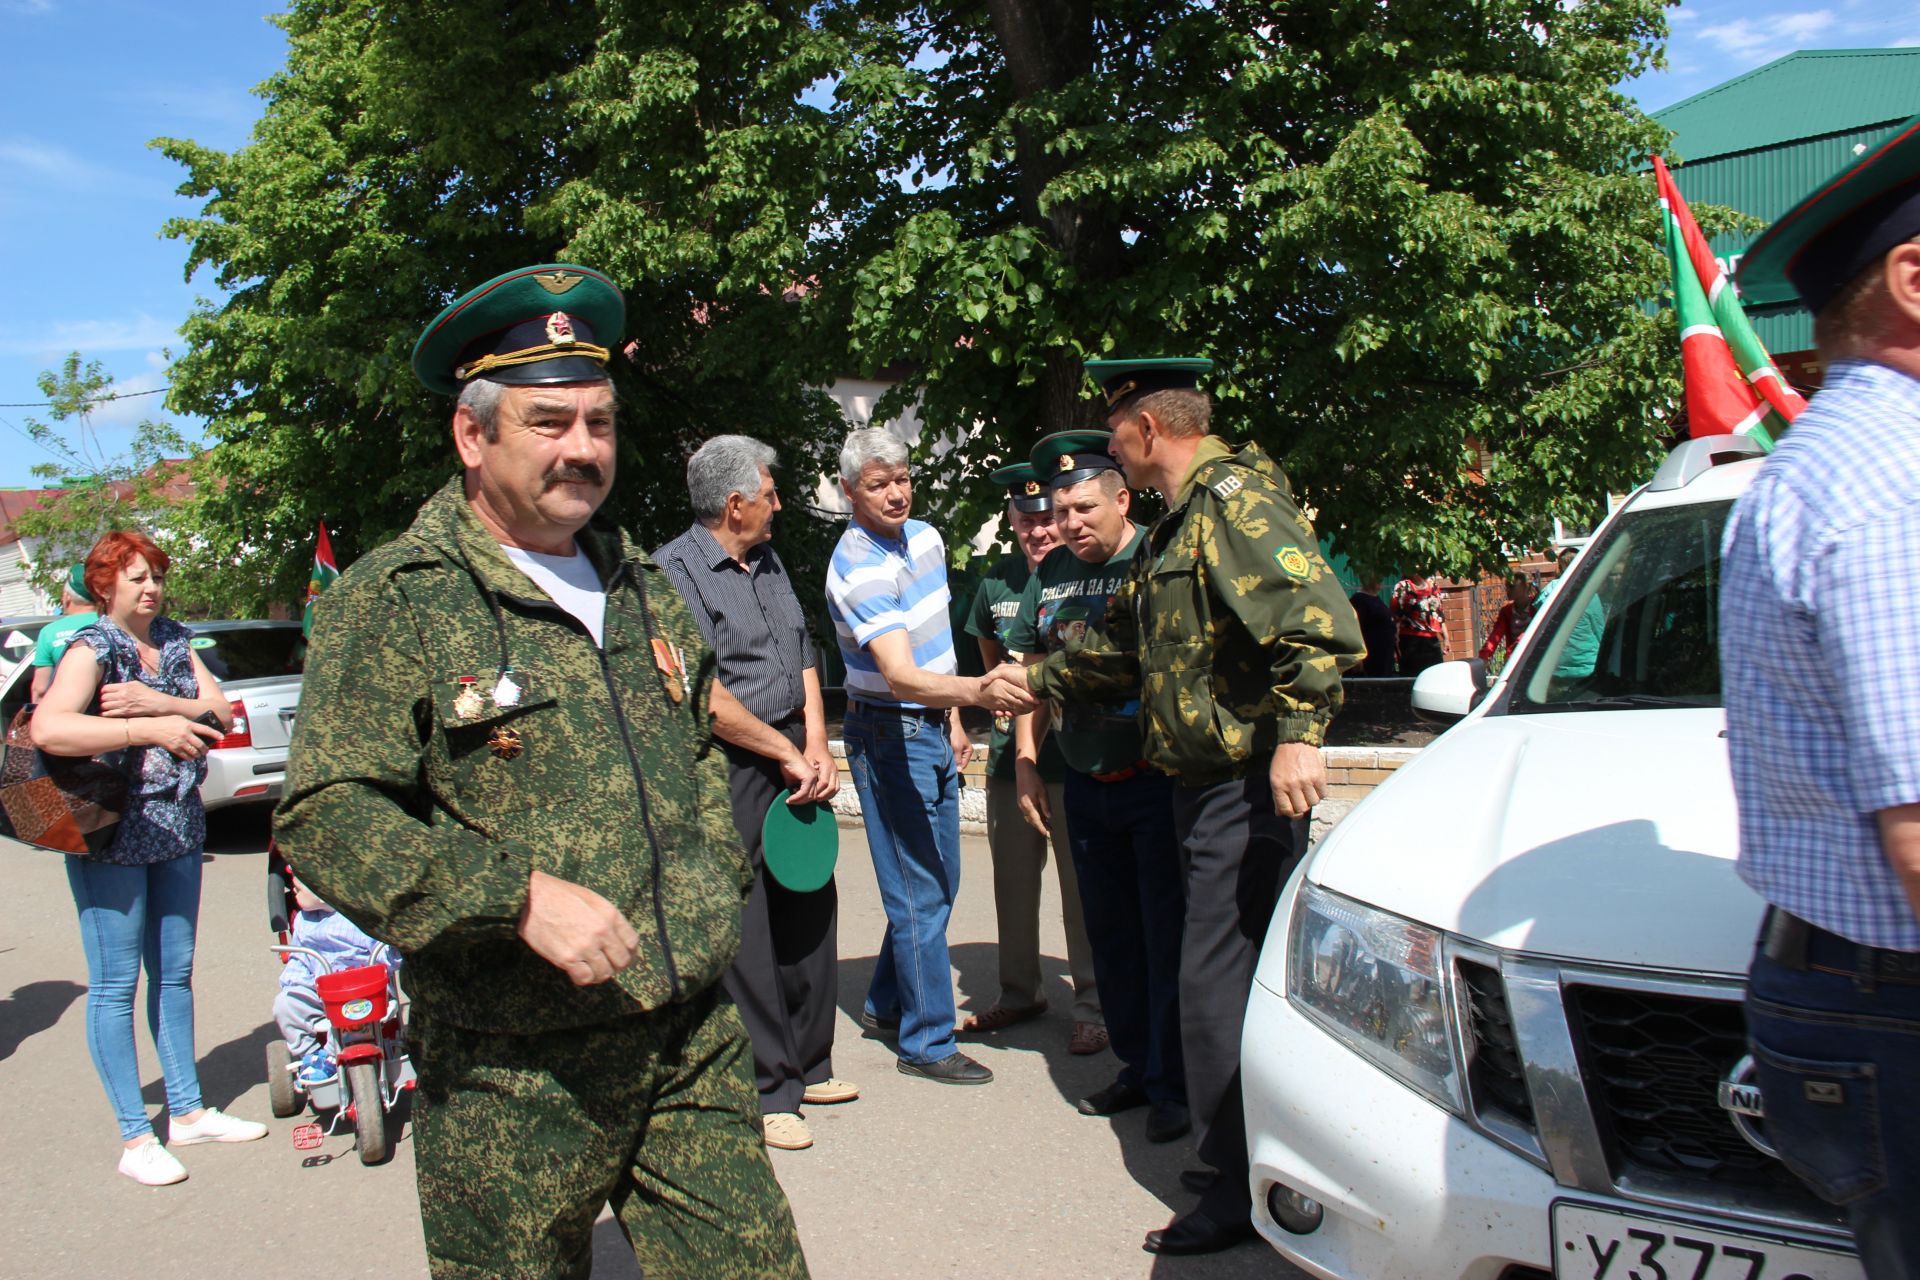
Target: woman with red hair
{"x": 132, "y": 682}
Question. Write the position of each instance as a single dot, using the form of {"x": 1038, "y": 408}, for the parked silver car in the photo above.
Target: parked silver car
{"x": 258, "y": 665}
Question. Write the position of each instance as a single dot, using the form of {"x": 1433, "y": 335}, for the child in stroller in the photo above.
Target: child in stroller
{"x": 298, "y": 1008}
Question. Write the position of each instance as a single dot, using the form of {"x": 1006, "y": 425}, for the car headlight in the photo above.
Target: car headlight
{"x": 1374, "y": 982}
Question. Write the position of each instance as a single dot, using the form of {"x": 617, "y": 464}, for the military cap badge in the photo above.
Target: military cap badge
{"x": 560, "y": 330}
{"x": 1068, "y": 457}
{"x": 1026, "y": 489}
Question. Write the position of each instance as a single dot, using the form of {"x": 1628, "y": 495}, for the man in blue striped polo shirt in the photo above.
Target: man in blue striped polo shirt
{"x": 887, "y": 595}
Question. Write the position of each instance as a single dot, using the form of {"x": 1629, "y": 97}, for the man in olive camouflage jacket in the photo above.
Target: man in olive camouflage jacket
{"x": 501, "y": 768}
{"x": 1233, "y": 632}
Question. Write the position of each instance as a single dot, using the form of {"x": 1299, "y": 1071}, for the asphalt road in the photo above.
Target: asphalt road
{"x": 914, "y": 1178}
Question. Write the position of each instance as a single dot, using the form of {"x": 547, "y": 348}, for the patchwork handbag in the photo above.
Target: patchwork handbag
{"x": 65, "y": 804}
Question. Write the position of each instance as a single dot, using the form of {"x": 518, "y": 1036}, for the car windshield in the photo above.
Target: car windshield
{"x": 1638, "y": 624}
{"x": 252, "y": 653}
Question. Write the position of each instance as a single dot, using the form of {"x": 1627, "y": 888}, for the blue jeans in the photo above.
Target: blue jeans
{"x": 1838, "y": 1062}
{"x": 130, "y": 916}
{"x": 903, "y": 768}
{"x": 1135, "y": 900}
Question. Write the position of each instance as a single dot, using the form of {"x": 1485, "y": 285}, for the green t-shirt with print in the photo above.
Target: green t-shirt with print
{"x": 1068, "y": 597}
{"x": 55, "y": 636}
{"x": 994, "y": 607}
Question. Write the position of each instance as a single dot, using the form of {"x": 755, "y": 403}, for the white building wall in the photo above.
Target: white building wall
{"x": 18, "y": 597}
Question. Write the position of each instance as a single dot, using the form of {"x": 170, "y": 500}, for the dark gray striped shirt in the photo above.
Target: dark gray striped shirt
{"x": 752, "y": 620}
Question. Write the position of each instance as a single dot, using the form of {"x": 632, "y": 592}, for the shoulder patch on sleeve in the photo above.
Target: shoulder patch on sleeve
{"x": 1228, "y": 485}
{"x": 1293, "y": 562}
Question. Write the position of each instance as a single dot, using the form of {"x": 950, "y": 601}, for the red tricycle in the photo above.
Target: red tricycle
{"x": 366, "y": 1025}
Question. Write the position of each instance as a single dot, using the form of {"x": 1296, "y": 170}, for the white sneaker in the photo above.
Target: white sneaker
{"x": 214, "y": 1125}
{"x": 152, "y": 1164}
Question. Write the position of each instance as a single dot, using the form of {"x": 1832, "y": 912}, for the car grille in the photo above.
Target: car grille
{"x": 1652, "y": 1063}
{"x": 1495, "y": 1073}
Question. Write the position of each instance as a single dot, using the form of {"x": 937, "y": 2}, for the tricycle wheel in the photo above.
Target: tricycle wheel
{"x": 280, "y": 1092}
{"x": 369, "y": 1113}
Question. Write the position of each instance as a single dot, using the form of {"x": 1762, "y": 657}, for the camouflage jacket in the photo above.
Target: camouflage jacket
{"x": 1230, "y": 625}
{"x": 408, "y": 808}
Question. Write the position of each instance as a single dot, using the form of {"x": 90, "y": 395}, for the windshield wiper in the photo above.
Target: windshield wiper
{"x": 1626, "y": 702}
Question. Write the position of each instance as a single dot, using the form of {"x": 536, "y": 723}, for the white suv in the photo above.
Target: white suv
{"x": 1496, "y": 1028}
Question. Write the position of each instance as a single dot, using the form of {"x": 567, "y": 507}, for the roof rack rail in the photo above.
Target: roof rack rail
{"x": 1692, "y": 459}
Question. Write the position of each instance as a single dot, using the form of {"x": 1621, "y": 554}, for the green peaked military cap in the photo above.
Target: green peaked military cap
{"x": 800, "y": 843}
{"x": 1817, "y": 247}
{"x": 555, "y": 322}
{"x": 1068, "y": 457}
{"x": 1024, "y": 486}
{"x": 1121, "y": 378}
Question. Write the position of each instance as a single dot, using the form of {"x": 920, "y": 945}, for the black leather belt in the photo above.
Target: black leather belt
{"x": 933, "y": 715}
{"x": 1793, "y": 943}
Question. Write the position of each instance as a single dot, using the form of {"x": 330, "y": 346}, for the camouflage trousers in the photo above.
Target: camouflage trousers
{"x": 518, "y": 1141}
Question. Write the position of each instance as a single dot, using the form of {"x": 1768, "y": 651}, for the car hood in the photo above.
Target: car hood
{"x": 1603, "y": 835}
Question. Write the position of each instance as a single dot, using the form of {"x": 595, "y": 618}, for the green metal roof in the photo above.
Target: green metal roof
{"x": 1803, "y": 95}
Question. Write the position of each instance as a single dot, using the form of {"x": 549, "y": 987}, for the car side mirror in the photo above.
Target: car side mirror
{"x": 1449, "y": 690}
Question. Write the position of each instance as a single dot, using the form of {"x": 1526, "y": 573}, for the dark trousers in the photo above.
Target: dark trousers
{"x": 1837, "y": 1058}
{"x": 1128, "y": 865}
{"x": 1237, "y": 853}
{"x": 1417, "y": 653}
{"x": 786, "y": 978}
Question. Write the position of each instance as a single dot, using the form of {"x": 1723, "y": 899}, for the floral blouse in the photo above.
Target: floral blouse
{"x": 164, "y": 818}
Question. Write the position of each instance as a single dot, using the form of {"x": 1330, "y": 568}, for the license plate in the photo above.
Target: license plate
{"x": 1599, "y": 1244}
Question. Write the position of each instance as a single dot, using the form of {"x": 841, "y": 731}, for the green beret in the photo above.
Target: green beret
{"x": 1839, "y": 230}
{"x": 555, "y": 322}
{"x": 1068, "y": 457}
{"x": 1027, "y": 491}
{"x": 77, "y": 582}
{"x": 1119, "y": 379}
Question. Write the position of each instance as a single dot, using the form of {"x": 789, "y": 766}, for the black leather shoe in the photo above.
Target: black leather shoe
{"x": 876, "y": 1025}
{"x": 1112, "y": 1100}
{"x": 1198, "y": 1181}
{"x": 955, "y": 1068}
{"x": 1167, "y": 1121}
{"x": 1197, "y": 1233}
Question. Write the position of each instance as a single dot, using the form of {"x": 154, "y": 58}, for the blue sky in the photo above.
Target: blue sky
{"x": 85, "y": 84}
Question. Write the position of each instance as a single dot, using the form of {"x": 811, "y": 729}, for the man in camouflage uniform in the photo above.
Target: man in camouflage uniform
{"x": 501, "y": 768}
{"x": 1234, "y": 633}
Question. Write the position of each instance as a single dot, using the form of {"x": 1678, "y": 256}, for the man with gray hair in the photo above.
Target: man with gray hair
{"x": 887, "y": 594}
{"x": 774, "y": 730}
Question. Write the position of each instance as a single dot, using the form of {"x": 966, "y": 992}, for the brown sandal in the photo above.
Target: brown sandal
{"x": 1088, "y": 1037}
{"x": 1000, "y": 1017}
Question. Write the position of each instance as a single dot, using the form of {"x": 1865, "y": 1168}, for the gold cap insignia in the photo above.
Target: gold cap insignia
{"x": 1066, "y": 462}
{"x": 558, "y": 281}
{"x": 1033, "y": 489}
{"x": 560, "y": 329}
{"x": 1114, "y": 394}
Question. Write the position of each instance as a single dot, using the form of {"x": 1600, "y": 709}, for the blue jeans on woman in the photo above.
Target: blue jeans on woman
{"x": 130, "y": 916}
{"x": 904, "y": 771}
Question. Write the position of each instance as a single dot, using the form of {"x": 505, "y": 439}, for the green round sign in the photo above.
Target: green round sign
{"x": 800, "y": 843}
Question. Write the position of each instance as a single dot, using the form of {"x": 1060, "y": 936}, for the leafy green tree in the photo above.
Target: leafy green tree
{"x": 146, "y": 486}
{"x": 1412, "y": 236}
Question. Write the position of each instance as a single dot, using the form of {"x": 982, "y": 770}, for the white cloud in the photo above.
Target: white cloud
{"x": 1906, "y": 42}
{"x": 1761, "y": 40}
{"x": 48, "y": 161}
{"x": 126, "y": 412}
{"x": 90, "y": 337}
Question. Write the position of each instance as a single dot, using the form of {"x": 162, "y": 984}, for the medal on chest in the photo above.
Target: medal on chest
{"x": 505, "y": 743}
{"x": 467, "y": 704}
{"x": 506, "y": 693}
{"x": 672, "y": 665}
